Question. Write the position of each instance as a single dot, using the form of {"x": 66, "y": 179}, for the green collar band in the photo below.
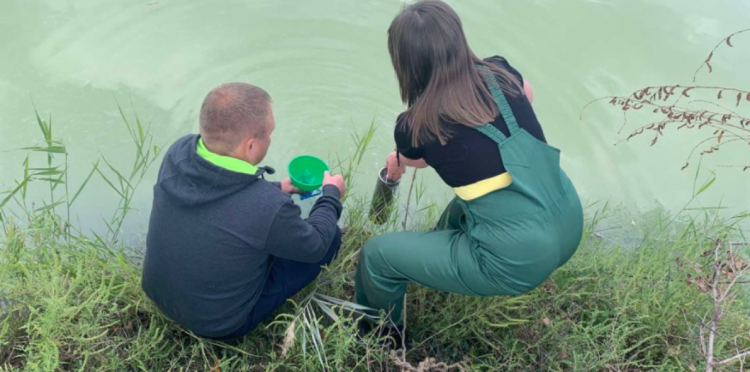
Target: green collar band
{"x": 226, "y": 162}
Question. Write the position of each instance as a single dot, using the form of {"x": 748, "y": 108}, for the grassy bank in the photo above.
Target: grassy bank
{"x": 71, "y": 305}
{"x": 71, "y": 301}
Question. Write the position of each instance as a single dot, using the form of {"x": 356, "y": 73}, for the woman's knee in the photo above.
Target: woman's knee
{"x": 372, "y": 252}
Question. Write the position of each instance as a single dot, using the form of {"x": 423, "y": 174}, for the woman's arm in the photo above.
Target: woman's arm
{"x": 415, "y": 163}
{"x": 397, "y": 168}
{"x": 528, "y": 90}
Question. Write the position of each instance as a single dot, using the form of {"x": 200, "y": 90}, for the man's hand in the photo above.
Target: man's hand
{"x": 395, "y": 170}
{"x": 287, "y": 187}
{"x": 335, "y": 180}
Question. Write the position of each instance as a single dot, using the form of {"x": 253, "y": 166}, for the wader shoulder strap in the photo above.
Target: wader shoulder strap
{"x": 489, "y": 130}
{"x": 500, "y": 101}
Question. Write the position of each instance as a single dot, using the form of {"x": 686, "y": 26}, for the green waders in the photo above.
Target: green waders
{"x": 504, "y": 243}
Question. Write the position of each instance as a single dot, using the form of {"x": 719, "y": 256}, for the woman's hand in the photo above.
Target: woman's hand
{"x": 395, "y": 170}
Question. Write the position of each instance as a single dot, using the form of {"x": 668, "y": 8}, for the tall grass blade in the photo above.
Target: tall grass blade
{"x": 707, "y": 184}
{"x": 50, "y": 180}
{"x": 312, "y": 323}
{"x": 140, "y": 164}
{"x": 25, "y": 177}
{"x": 327, "y": 310}
{"x": 141, "y": 136}
{"x": 53, "y": 149}
{"x": 111, "y": 185}
{"x": 83, "y": 185}
{"x": 18, "y": 188}
{"x": 122, "y": 114}
{"x": 117, "y": 173}
{"x": 50, "y": 206}
{"x": 131, "y": 130}
{"x": 46, "y": 171}
{"x": 348, "y": 305}
{"x": 44, "y": 127}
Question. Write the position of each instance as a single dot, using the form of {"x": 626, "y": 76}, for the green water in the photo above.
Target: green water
{"x": 326, "y": 65}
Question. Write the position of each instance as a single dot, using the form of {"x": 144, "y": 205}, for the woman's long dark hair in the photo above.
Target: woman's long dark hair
{"x": 437, "y": 74}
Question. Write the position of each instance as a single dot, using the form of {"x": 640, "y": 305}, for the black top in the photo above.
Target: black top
{"x": 213, "y": 235}
{"x": 469, "y": 156}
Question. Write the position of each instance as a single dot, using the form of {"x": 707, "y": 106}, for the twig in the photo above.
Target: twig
{"x": 717, "y": 309}
{"x": 428, "y": 364}
{"x": 403, "y": 308}
{"x": 729, "y": 360}
{"x": 707, "y": 62}
{"x": 680, "y": 113}
{"x": 408, "y": 198}
{"x": 706, "y": 326}
{"x": 403, "y": 331}
{"x": 704, "y": 101}
{"x": 725, "y": 294}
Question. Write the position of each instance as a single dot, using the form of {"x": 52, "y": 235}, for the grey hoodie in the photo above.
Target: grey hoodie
{"x": 213, "y": 234}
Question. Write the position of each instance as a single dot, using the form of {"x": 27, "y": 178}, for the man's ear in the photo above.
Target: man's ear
{"x": 243, "y": 150}
{"x": 251, "y": 142}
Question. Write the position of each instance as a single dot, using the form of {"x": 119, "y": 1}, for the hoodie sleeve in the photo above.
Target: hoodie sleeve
{"x": 297, "y": 239}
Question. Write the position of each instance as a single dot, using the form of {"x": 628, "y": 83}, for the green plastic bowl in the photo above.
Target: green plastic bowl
{"x": 306, "y": 172}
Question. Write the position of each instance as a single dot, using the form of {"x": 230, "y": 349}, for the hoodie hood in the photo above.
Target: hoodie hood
{"x": 188, "y": 179}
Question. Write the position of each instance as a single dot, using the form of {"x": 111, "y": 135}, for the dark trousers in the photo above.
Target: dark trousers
{"x": 286, "y": 278}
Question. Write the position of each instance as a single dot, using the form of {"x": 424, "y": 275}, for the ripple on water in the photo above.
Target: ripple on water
{"x": 326, "y": 65}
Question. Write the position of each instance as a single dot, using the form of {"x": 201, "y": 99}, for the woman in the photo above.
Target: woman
{"x": 516, "y": 217}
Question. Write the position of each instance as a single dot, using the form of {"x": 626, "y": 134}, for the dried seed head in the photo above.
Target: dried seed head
{"x": 289, "y": 337}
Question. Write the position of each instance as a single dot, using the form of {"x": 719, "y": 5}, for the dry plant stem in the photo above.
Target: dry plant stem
{"x": 717, "y": 310}
{"x": 707, "y": 62}
{"x": 408, "y": 198}
{"x": 734, "y": 269}
{"x": 729, "y": 126}
{"x": 403, "y": 308}
{"x": 670, "y": 113}
{"x": 289, "y": 337}
{"x": 427, "y": 365}
{"x": 732, "y": 359}
{"x": 403, "y": 331}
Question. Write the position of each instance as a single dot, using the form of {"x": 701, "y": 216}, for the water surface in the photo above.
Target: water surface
{"x": 326, "y": 65}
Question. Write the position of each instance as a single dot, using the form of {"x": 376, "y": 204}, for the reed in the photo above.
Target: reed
{"x": 717, "y": 113}
{"x": 71, "y": 298}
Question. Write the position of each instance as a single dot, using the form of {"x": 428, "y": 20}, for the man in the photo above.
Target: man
{"x": 225, "y": 248}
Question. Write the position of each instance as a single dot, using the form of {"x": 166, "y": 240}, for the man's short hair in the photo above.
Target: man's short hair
{"x": 231, "y": 112}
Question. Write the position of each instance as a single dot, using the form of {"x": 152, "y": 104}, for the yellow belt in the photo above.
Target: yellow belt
{"x": 483, "y": 187}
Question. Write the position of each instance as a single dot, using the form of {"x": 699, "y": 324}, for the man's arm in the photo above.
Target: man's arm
{"x": 297, "y": 239}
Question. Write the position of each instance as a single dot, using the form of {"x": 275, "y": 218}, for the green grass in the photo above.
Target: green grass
{"x": 71, "y": 300}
